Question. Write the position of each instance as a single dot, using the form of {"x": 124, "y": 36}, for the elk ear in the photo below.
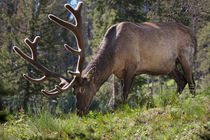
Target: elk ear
{"x": 90, "y": 74}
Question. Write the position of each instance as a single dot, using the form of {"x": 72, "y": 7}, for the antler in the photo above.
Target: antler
{"x": 77, "y": 30}
{"x": 65, "y": 83}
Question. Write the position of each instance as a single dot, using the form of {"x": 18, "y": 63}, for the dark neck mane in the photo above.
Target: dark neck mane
{"x": 103, "y": 63}
{"x": 103, "y": 60}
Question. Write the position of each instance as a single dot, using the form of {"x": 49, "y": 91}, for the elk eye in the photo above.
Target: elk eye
{"x": 85, "y": 79}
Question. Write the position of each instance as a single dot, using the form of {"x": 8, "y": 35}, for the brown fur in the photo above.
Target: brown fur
{"x": 129, "y": 49}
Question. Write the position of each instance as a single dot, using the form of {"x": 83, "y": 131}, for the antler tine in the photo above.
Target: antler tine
{"x": 63, "y": 86}
{"x": 76, "y": 13}
{"x": 42, "y": 79}
{"x": 22, "y": 54}
{"x": 33, "y": 46}
{"x": 77, "y": 52}
{"x": 63, "y": 23}
{"x": 77, "y": 74}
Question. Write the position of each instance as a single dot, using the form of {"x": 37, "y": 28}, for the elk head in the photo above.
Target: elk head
{"x": 83, "y": 87}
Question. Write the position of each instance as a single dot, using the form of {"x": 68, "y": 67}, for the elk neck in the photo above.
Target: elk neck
{"x": 103, "y": 62}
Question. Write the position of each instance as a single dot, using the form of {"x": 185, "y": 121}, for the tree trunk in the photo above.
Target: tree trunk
{"x": 159, "y": 83}
{"x": 152, "y": 88}
{"x": 114, "y": 91}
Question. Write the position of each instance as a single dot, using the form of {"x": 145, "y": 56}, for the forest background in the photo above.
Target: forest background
{"x": 20, "y": 19}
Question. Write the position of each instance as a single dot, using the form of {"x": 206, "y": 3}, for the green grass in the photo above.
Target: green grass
{"x": 173, "y": 117}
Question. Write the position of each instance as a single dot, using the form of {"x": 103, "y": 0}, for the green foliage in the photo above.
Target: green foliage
{"x": 204, "y": 35}
{"x": 22, "y": 129}
{"x": 102, "y": 97}
{"x": 109, "y": 12}
{"x": 186, "y": 118}
{"x": 166, "y": 97}
{"x": 203, "y": 54}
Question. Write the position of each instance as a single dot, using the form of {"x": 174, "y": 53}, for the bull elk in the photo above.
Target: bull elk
{"x": 128, "y": 49}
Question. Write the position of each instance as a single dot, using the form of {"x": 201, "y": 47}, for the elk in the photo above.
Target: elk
{"x": 128, "y": 49}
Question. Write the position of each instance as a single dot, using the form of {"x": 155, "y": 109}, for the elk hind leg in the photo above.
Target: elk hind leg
{"x": 186, "y": 63}
{"x": 179, "y": 79}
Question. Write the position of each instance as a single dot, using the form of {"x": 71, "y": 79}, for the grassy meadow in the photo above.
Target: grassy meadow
{"x": 154, "y": 110}
{"x": 170, "y": 116}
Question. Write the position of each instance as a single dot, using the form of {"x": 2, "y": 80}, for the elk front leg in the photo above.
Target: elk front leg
{"x": 126, "y": 85}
